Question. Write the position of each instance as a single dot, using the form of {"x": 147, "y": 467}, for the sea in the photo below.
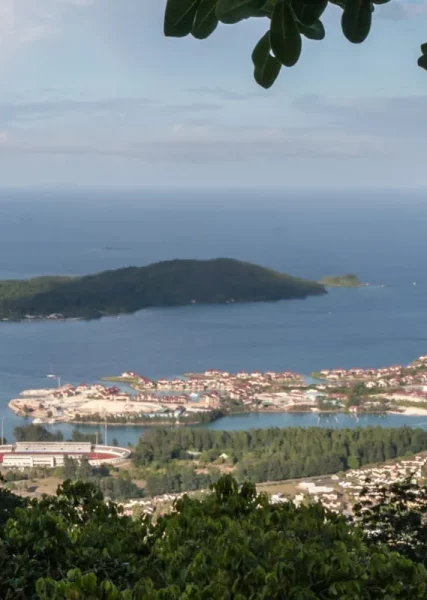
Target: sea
{"x": 378, "y": 235}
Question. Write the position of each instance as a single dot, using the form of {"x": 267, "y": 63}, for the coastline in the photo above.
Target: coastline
{"x": 139, "y": 424}
{"x": 200, "y": 398}
{"x": 409, "y": 411}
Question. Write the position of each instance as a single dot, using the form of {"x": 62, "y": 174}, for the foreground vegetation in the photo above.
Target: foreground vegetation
{"x": 232, "y": 545}
{"x": 289, "y": 22}
{"x": 169, "y": 283}
{"x": 177, "y": 460}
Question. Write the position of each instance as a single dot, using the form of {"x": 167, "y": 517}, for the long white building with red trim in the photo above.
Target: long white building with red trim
{"x": 51, "y": 454}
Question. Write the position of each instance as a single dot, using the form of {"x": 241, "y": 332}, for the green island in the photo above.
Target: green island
{"x": 162, "y": 284}
{"x": 347, "y": 280}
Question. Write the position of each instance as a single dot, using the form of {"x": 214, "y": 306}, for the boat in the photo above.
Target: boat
{"x": 51, "y": 375}
{"x": 37, "y": 421}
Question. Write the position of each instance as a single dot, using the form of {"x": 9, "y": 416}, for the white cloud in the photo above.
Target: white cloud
{"x": 185, "y": 142}
{"x": 12, "y": 113}
{"x": 23, "y": 22}
{"x": 388, "y": 117}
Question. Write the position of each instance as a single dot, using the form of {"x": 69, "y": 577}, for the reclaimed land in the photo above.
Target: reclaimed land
{"x": 207, "y": 396}
{"x": 163, "y": 284}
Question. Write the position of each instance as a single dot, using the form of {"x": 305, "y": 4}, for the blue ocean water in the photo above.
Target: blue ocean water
{"x": 379, "y": 236}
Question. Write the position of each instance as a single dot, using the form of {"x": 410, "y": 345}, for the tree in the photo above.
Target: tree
{"x": 36, "y": 433}
{"x": 8, "y": 503}
{"x": 396, "y": 516}
{"x": 78, "y": 436}
{"x": 231, "y": 545}
{"x": 290, "y": 20}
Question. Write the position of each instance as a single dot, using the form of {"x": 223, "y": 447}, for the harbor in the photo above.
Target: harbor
{"x": 134, "y": 399}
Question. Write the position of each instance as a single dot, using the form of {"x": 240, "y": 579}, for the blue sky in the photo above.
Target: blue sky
{"x": 92, "y": 94}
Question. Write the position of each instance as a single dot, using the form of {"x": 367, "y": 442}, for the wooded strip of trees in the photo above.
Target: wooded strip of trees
{"x": 264, "y": 454}
{"x": 38, "y": 433}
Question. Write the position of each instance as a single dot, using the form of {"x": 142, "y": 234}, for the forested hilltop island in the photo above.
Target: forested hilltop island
{"x": 162, "y": 284}
{"x": 347, "y": 280}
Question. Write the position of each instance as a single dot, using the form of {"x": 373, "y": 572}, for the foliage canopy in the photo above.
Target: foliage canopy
{"x": 233, "y": 545}
{"x": 168, "y": 457}
{"x": 290, "y": 21}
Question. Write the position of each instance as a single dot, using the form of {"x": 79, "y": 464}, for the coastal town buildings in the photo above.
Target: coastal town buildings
{"x": 23, "y": 455}
{"x": 131, "y": 397}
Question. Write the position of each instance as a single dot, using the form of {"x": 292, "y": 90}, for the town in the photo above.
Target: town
{"x": 133, "y": 398}
{"x": 338, "y": 493}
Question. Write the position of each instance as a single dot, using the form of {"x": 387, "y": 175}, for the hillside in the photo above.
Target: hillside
{"x": 347, "y": 280}
{"x": 169, "y": 283}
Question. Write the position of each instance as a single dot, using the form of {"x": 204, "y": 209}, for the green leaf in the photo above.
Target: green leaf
{"x": 206, "y": 20}
{"x": 313, "y": 32}
{"x": 356, "y": 20}
{"x": 267, "y": 67}
{"x": 422, "y": 61}
{"x": 233, "y": 11}
{"x": 380, "y": 1}
{"x": 179, "y": 17}
{"x": 285, "y": 37}
{"x": 424, "y": 48}
{"x": 308, "y": 11}
{"x": 340, "y": 3}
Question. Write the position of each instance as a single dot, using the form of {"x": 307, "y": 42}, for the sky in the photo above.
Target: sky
{"x": 93, "y": 95}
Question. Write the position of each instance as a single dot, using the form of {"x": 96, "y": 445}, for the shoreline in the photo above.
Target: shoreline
{"x": 409, "y": 411}
{"x": 406, "y": 411}
{"x": 141, "y": 424}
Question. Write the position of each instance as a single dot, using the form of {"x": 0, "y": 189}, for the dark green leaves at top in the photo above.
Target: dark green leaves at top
{"x": 179, "y": 17}
{"x": 233, "y": 11}
{"x": 267, "y": 67}
{"x": 422, "y": 61}
{"x": 308, "y": 11}
{"x": 313, "y": 32}
{"x": 206, "y": 20}
{"x": 356, "y": 20}
{"x": 284, "y": 34}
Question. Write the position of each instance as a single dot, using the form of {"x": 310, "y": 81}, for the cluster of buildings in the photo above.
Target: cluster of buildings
{"x": 23, "y": 455}
{"x": 309, "y": 491}
{"x": 221, "y": 381}
{"x": 374, "y": 478}
{"x": 336, "y": 493}
{"x": 212, "y": 386}
{"x": 79, "y": 403}
{"x": 158, "y": 505}
{"x": 341, "y": 493}
{"x": 384, "y": 377}
{"x": 212, "y": 390}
